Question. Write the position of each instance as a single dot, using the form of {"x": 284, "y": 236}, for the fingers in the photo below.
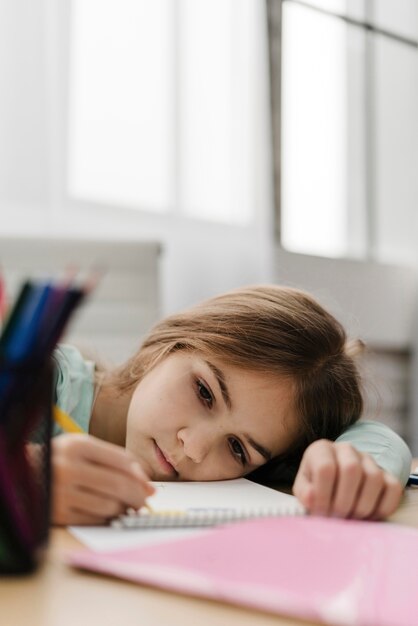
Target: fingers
{"x": 78, "y": 518}
{"x": 314, "y": 484}
{"x": 92, "y": 505}
{"x": 370, "y": 489}
{"x": 109, "y": 483}
{"x": 335, "y": 479}
{"x": 94, "y": 481}
{"x": 349, "y": 479}
{"x": 374, "y": 494}
{"x": 390, "y": 498}
{"x": 109, "y": 455}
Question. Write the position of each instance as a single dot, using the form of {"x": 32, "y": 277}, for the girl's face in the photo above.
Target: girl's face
{"x": 192, "y": 418}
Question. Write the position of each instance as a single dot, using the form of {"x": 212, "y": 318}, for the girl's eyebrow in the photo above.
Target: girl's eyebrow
{"x": 259, "y": 448}
{"x": 221, "y": 382}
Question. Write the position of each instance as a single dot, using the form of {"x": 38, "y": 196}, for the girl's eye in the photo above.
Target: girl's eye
{"x": 237, "y": 450}
{"x": 204, "y": 394}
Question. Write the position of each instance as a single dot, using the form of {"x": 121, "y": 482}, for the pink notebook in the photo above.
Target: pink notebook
{"x": 332, "y": 571}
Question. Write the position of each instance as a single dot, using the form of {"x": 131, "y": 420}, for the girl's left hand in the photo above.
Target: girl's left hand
{"x": 335, "y": 479}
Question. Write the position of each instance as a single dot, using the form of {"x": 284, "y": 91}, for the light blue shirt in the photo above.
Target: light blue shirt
{"x": 74, "y": 386}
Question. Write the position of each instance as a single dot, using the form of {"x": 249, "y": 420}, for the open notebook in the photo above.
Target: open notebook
{"x": 181, "y": 508}
{"x": 338, "y": 572}
{"x": 202, "y": 504}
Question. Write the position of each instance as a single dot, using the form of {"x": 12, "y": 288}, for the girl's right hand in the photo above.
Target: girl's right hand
{"x": 94, "y": 481}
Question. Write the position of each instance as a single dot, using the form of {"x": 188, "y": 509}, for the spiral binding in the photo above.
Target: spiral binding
{"x": 195, "y": 518}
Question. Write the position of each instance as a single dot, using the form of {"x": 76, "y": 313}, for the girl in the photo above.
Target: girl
{"x": 257, "y": 382}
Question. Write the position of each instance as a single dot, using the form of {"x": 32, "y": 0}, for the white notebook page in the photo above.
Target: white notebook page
{"x": 239, "y": 494}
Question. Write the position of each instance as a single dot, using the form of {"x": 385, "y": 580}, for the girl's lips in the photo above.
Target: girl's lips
{"x": 166, "y": 466}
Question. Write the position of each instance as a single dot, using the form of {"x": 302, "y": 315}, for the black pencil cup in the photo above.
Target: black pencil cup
{"x": 25, "y": 470}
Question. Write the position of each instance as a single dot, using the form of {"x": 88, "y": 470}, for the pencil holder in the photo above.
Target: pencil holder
{"x": 25, "y": 430}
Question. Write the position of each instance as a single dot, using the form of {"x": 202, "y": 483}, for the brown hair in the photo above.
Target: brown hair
{"x": 272, "y": 329}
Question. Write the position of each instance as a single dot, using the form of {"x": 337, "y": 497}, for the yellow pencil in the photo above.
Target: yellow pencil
{"x": 66, "y": 422}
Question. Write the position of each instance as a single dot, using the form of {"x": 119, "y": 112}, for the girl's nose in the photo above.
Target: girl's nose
{"x": 196, "y": 443}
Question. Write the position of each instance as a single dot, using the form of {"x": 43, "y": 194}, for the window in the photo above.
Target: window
{"x": 322, "y": 142}
{"x": 349, "y": 131}
{"x": 161, "y": 111}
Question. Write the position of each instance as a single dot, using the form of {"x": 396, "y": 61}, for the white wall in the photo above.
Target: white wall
{"x": 23, "y": 111}
{"x": 33, "y": 84}
{"x": 396, "y": 150}
{"x": 199, "y": 258}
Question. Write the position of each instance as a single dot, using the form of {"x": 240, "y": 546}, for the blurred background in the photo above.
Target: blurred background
{"x": 193, "y": 146}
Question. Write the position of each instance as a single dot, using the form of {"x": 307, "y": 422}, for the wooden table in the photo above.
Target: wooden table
{"x": 60, "y": 596}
